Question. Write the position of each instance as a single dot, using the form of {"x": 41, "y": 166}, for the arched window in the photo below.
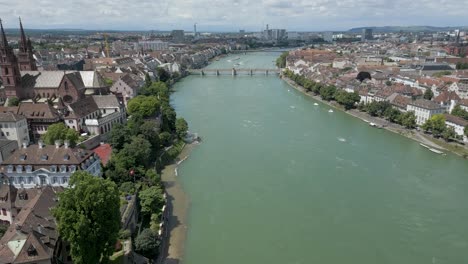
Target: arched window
{"x": 6, "y": 71}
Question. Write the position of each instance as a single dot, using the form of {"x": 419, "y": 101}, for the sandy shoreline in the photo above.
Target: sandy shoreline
{"x": 177, "y": 204}
{"x": 395, "y": 128}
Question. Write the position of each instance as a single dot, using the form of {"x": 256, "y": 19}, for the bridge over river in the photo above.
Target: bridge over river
{"x": 235, "y": 71}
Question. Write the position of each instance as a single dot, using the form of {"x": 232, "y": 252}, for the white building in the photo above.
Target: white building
{"x": 153, "y": 45}
{"x": 424, "y": 109}
{"x": 458, "y": 125}
{"x": 41, "y": 165}
{"x": 14, "y": 127}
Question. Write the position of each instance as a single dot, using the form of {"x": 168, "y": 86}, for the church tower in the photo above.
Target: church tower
{"x": 26, "y": 60}
{"x": 9, "y": 71}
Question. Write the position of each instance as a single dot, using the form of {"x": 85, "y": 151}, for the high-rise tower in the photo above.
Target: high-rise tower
{"x": 9, "y": 71}
{"x": 26, "y": 60}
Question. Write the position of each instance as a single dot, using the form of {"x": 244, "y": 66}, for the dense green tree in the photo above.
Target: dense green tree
{"x": 147, "y": 243}
{"x": 435, "y": 125}
{"x": 163, "y": 75}
{"x": 136, "y": 153}
{"x": 449, "y": 133}
{"x": 165, "y": 138}
{"x": 181, "y": 127}
{"x": 151, "y": 200}
{"x": 148, "y": 80}
{"x": 281, "y": 61}
{"x": 428, "y": 94}
{"x": 408, "y": 120}
{"x": 378, "y": 108}
{"x": 13, "y": 101}
{"x": 392, "y": 114}
{"x": 348, "y": 100}
{"x": 327, "y": 92}
{"x": 168, "y": 118}
{"x": 127, "y": 188}
{"x": 149, "y": 130}
{"x": 61, "y": 132}
{"x": 158, "y": 89}
{"x": 119, "y": 135}
{"x": 108, "y": 82}
{"x": 388, "y": 83}
{"x": 88, "y": 217}
{"x": 146, "y": 106}
{"x": 460, "y": 112}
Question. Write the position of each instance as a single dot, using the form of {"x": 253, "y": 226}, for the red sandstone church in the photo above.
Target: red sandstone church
{"x": 21, "y": 78}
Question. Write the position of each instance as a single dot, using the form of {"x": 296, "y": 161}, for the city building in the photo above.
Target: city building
{"x": 110, "y": 113}
{"x": 32, "y": 236}
{"x": 328, "y": 36}
{"x": 366, "y": 34}
{"x": 40, "y": 165}
{"x": 14, "y": 127}
{"x": 178, "y": 36}
{"x": 151, "y": 45}
{"x": 424, "y": 109}
{"x": 458, "y": 124}
{"x": 7, "y": 147}
{"x": 126, "y": 87}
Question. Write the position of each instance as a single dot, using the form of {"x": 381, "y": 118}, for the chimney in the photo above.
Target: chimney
{"x": 25, "y": 144}
{"x": 66, "y": 143}
{"x": 58, "y": 143}
{"x": 41, "y": 143}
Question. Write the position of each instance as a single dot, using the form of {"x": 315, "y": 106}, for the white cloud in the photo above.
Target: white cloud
{"x": 230, "y": 15}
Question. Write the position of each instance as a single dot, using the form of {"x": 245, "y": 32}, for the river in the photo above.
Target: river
{"x": 278, "y": 180}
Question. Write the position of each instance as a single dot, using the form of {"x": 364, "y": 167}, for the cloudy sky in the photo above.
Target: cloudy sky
{"x": 232, "y": 15}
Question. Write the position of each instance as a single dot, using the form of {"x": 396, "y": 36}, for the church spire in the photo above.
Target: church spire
{"x": 23, "y": 43}
{"x": 4, "y": 41}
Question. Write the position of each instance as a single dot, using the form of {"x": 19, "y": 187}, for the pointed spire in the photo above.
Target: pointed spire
{"x": 23, "y": 44}
{"x": 4, "y": 41}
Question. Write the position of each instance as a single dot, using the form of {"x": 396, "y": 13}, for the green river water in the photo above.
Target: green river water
{"x": 278, "y": 180}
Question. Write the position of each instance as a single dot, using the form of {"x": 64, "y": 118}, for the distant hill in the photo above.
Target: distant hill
{"x": 388, "y": 29}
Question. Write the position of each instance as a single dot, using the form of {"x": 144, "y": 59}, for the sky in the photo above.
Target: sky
{"x": 231, "y": 15}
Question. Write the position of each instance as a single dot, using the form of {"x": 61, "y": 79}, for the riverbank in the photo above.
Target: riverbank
{"x": 177, "y": 206}
{"x": 392, "y": 127}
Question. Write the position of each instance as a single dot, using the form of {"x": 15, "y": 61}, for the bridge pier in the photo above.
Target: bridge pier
{"x": 266, "y": 72}
{"x": 217, "y": 72}
{"x": 251, "y": 72}
{"x": 234, "y": 72}
{"x": 202, "y": 73}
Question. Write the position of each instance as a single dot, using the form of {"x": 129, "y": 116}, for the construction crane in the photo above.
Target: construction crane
{"x": 107, "y": 46}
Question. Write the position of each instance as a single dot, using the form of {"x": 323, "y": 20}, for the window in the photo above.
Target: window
{"x": 63, "y": 168}
{"x": 53, "y": 168}
{"x": 72, "y": 168}
{"x": 10, "y": 168}
{"x": 19, "y": 169}
{"x": 21, "y": 180}
{"x": 30, "y": 180}
{"x": 29, "y": 168}
{"x": 4, "y": 212}
{"x": 65, "y": 180}
{"x": 54, "y": 180}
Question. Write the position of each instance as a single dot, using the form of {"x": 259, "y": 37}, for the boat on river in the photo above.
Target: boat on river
{"x": 316, "y": 104}
{"x": 432, "y": 149}
{"x": 330, "y": 111}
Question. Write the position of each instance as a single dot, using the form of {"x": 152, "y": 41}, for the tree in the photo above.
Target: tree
{"x": 163, "y": 75}
{"x": 435, "y": 125}
{"x": 328, "y": 92}
{"x": 145, "y": 106}
{"x": 460, "y": 112}
{"x": 181, "y": 127}
{"x": 59, "y": 131}
{"x": 13, "y": 101}
{"x": 108, "y": 82}
{"x": 281, "y": 61}
{"x": 168, "y": 118}
{"x": 428, "y": 94}
{"x": 148, "y": 80}
{"x": 149, "y": 130}
{"x": 392, "y": 114}
{"x": 408, "y": 119}
{"x": 449, "y": 133}
{"x": 165, "y": 139}
{"x": 136, "y": 153}
{"x": 151, "y": 200}
{"x": 88, "y": 217}
{"x": 119, "y": 135}
{"x": 388, "y": 83}
{"x": 158, "y": 89}
{"x": 348, "y": 100}
{"x": 147, "y": 243}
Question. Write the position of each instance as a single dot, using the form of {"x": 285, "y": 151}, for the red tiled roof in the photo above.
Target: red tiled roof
{"x": 104, "y": 152}
{"x": 446, "y": 96}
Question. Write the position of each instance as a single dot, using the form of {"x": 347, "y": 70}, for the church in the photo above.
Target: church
{"x": 21, "y": 78}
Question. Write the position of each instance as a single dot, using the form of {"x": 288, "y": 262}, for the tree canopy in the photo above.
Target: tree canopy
{"x": 13, "y": 101}
{"x": 435, "y": 125}
{"x": 59, "y": 131}
{"x": 151, "y": 200}
{"x": 348, "y": 100}
{"x": 146, "y": 106}
{"x": 428, "y": 94}
{"x": 281, "y": 61}
{"x": 147, "y": 243}
{"x": 181, "y": 127}
{"x": 88, "y": 217}
{"x": 460, "y": 112}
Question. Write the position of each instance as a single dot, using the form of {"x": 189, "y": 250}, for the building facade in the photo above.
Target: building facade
{"x": 424, "y": 109}
{"x": 42, "y": 165}
{"x": 14, "y": 127}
